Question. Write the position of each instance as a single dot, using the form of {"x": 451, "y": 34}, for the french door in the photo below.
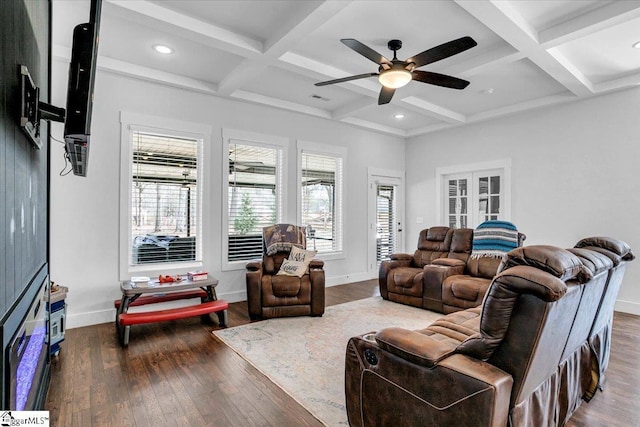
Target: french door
{"x": 473, "y": 197}
{"x": 385, "y": 217}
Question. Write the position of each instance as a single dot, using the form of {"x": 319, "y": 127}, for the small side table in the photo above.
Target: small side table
{"x": 153, "y": 292}
{"x": 57, "y": 316}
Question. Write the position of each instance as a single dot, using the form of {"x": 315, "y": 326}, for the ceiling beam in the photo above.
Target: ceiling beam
{"x": 309, "y": 18}
{"x": 374, "y": 126}
{"x": 279, "y": 103}
{"x": 501, "y": 18}
{"x": 421, "y": 106}
{"x": 614, "y": 13}
{"x": 352, "y": 108}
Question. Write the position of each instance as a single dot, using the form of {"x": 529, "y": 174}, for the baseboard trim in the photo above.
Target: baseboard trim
{"x": 627, "y": 307}
{"x": 91, "y": 318}
{"x": 106, "y": 316}
{"x": 347, "y": 278}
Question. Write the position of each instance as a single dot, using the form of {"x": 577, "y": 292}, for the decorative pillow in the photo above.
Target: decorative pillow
{"x": 298, "y": 262}
{"x": 292, "y": 268}
{"x": 301, "y": 255}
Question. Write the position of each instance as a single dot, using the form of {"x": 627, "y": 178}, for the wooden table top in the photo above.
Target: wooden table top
{"x": 154, "y": 286}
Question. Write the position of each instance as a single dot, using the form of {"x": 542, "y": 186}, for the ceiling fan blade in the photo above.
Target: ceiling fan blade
{"x": 443, "y": 51}
{"x": 385, "y": 95}
{"x": 439, "y": 79}
{"x": 346, "y": 79}
{"x": 365, "y": 51}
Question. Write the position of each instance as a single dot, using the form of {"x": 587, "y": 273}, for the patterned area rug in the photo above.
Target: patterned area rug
{"x": 305, "y": 355}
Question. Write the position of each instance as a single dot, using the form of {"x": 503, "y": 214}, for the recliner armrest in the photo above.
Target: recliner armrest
{"x": 448, "y": 262}
{"x": 254, "y": 265}
{"x": 413, "y": 346}
{"x": 401, "y": 257}
{"x": 316, "y": 263}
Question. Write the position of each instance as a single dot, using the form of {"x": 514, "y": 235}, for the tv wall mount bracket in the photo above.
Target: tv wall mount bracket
{"x": 32, "y": 110}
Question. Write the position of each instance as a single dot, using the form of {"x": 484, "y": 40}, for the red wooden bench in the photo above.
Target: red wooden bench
{"x": 127, "y": 319}
{"x": 172, "y": 296}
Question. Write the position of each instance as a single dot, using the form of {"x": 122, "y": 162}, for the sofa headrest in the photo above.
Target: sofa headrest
{"x": 595, "y": 261}
{"x": 556, "y": 261}
{"x": 437, "y": 234}
{"x": 435, "y": 239}
{"x": 616, "y": 249}
{"x": 462, "y": 240}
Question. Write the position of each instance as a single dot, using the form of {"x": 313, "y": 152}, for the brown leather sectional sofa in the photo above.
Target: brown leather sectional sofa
{"x": 440, "y": 275}
{"x": 537, "y": 347}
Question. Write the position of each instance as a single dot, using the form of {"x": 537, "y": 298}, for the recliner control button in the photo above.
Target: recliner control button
{"x": 371, "y": 357}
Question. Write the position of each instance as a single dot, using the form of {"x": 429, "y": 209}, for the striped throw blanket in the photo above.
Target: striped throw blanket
{"x": 494, "y": 239}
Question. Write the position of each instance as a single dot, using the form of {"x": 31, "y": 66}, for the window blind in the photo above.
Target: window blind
{"x": 254, "y": 183}
{"x": 165, "y": 198}
{"x": 321, "y": 201}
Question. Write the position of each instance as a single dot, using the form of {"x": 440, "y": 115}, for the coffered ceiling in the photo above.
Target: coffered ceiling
{"x": 530, "y": 53}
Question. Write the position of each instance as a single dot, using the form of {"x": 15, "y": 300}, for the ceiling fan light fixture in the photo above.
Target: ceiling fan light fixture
{"x": 394, "y": 78}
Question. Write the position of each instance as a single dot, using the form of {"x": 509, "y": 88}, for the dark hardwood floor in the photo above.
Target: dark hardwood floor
{"x": 178, "y": 374}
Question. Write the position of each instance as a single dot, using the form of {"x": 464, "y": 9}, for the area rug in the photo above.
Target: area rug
{"x": 305, "y": 355}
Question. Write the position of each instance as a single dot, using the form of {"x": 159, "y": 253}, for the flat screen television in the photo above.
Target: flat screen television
{"x": 82, "y": 70}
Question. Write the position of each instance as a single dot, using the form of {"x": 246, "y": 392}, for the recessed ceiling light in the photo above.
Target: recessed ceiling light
{"x": 160, "y": 48}
{"x": 487, "y": 91}
{"x": 636, "y": 45}
{"x": 399, "y": 116}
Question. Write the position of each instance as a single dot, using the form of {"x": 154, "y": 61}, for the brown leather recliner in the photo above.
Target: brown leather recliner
{"x": 401, "y": 278}
{"x": 441, "y": 275}
{"x": 272, "y": 295}
{"x": 528, "y": 356}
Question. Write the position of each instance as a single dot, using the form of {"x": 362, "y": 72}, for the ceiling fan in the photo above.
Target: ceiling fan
{"x": 394, "y": 73}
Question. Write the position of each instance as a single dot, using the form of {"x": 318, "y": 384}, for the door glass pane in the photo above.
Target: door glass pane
{"x": 483, "y": 185}
{"x": 495, "y": 185}
{"x": 453, "y": 187}
{"x": 495, "y": 204}
{"x": 385, "y": 221}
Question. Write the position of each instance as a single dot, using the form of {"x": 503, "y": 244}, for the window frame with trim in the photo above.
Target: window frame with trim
{"x": 337, "y": 215}
{"x": 231, "y": 257}
{"x": 197, "y": 187}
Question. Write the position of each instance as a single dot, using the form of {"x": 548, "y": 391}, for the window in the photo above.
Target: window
{"x": 161, "y": 194}
{"x": 254, "y": 193}
{"x": 475, "y": 195}
{"x": 321, "y": 192}
{"x": 164, "y": 198}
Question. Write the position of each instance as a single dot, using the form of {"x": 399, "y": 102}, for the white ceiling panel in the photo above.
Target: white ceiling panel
{"x": 510, "y": 84}
{"x": 607, "y": 54}
{"x": 385, "y": 115}
{"x": 543, "y": 14}
{"x": 257, "y": 19}
{"x": 282, "y": 84}
{"x": 190, "y": 59}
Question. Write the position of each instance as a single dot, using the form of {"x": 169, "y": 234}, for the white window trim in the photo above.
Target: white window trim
{"x": 142, "y": 122}
{"x": 504, "y": 164}
{"x": 341, "y": 193}
{"x": 259, "y": 140}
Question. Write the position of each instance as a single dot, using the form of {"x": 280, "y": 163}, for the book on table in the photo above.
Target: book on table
{"x": 194, "y": 276}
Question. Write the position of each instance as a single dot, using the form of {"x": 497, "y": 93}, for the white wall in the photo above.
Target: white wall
{"x": 85, "y": 211}
{"x": 574, "y": 173}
